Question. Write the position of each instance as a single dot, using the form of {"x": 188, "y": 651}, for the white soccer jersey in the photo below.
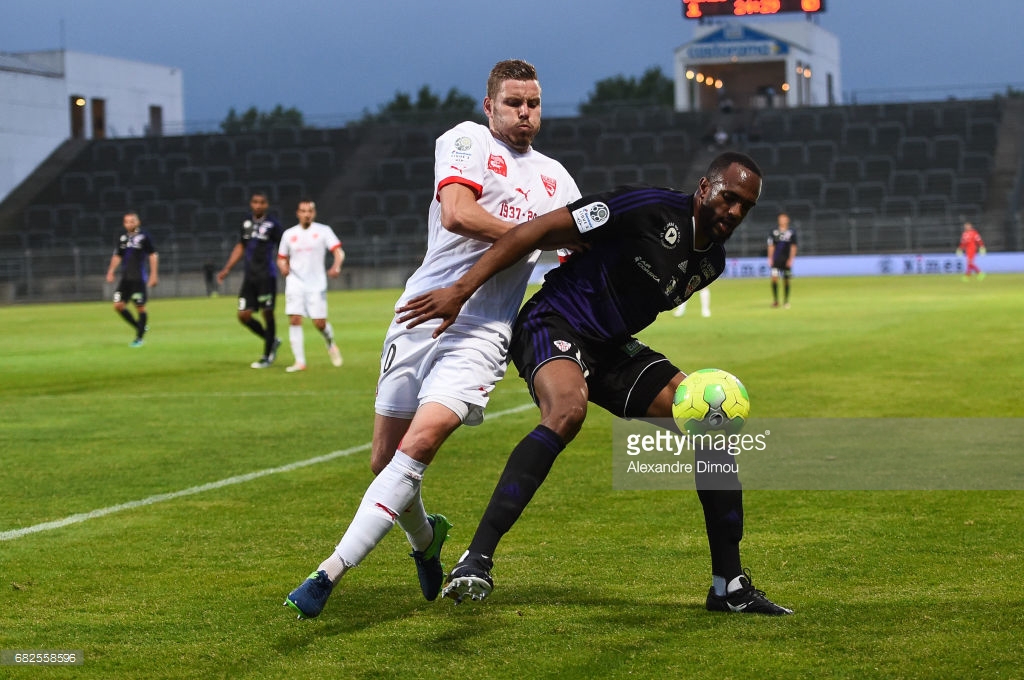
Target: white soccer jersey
{"x": 306, "y": 250}
{"x": 510, "y": 185}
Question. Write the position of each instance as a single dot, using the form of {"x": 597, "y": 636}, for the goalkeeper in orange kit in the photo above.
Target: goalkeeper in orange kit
{"x": 971, "y": 244}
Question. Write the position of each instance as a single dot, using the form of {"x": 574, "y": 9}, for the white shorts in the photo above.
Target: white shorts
{"x": 458, "y": 370}
{"x": 312, "y": 304}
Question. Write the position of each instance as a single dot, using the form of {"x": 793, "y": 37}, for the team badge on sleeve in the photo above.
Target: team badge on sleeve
{"x": 591, "y": 216}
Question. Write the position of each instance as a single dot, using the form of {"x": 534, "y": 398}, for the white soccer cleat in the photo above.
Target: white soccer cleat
{"x": 295, "y": 368}
{"x": 335, "y": 355}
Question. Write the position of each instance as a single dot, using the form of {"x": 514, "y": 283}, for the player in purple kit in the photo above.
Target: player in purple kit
{"x": 258, "y": 241}
{"x": 136, "y": 252}
{"x": 643, "y": 251}
{"x": 782, "y": 245}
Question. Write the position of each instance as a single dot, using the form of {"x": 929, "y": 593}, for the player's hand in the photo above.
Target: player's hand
{"x": 110, "y": 277}
{"x": 334, "y": 272}
{"x": 153, "y": 280}
{"x": 959, "y": 252}
{"x": 443, "y": 303}
{"x": 221, "y": 275}
{"x": 983, "y": 251}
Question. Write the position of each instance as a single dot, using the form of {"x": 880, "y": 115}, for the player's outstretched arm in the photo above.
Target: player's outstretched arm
{"x": 554, "y": 230}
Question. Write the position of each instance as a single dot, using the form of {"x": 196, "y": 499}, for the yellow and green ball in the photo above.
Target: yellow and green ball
{"x": 711, "y": 400}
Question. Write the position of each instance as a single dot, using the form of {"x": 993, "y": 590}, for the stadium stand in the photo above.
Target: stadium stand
{"x": 850, "y": 176}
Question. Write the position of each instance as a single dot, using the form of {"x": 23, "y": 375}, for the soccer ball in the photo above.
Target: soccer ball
{"x": 711, "y": 400}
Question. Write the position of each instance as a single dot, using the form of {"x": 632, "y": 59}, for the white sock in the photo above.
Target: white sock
{"x": 392, "y": 491}
{"x": 328, "y": 333}
{"x": 413, "y": 521}
{"x": 298, "y": 342}
{"x": 718, "y": 583}
{"x": 705, "y": 301}
{"x": 735, "y": 584}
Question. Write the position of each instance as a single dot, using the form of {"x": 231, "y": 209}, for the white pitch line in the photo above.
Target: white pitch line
{"x": 192, "y": 490}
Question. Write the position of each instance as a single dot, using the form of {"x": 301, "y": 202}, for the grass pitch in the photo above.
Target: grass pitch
{"x": 590, "y": 583}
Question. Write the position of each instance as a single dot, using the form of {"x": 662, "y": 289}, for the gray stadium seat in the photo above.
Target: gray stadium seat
{"x": 659, "y": 175}
{"x": 612, "y": 149}
{"x": 155, "y": 212}
{"x": 790, "y": 157}
{"x": 954, "y": 120}
{"x": 764, "y": 154}
{"x": 887, "y": 137}
{"x": 858, "y": 138}
{"x": 878, "y": 168}
{"x": 820, "y": 154}
{"x": 923, "y": 120}
{"x": 391, "y": 173}
{"x": 947, "y": 152}
{"x": 106, "y": 155}
{"x": 283, "y": 137}
{"x": 39, "y": 217}
{"x": 831, "y": 123}
{"x": 291, "y": 161}
{"x": 76, "y": 187}
{"x": 625, "y": 174}
{"x": 115, "y": 198}
{"x": 397, "y": 202}
{"x": 808, "y": 187}
{"x": 190, "y": 181}
{"x": 779, "y": 187}
{"x": 869, "y": 196}
{"x": 365, "y": 203}
{"x": 970, "y": 191}
{"x": 209, "y": 220}
{"x": 899, "y": 207}
{"x": 906, "y": 183}
{"x": 939, "y": 181}
{"x": 846, "y": 169}
{"x": 983, "y": 135}
{"x": 933, "y": 206}
{"x": 644, "y": 147}
{"x": 837, "y": 196}
{"x": 915, "y": 153}
{"x": 142, "y": 193}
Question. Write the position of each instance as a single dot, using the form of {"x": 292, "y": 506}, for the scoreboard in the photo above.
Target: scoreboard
{"x": 698, "y": 9}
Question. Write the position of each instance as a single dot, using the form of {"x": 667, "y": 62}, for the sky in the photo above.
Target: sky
{"x": 334, "y": 59}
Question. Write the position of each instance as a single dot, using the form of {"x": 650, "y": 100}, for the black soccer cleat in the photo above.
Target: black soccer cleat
{"x": 470, "y": 578}
{"x": 746, "y": 600}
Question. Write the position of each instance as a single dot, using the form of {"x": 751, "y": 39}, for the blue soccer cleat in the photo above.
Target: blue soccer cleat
{"x": 428, "y": 562}
{"x": 309, "y": 598}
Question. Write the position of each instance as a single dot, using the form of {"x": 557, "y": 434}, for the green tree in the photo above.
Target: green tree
{"x": 653, "y": 87}
{"x": 253, "y": 120}
{"x": 403, "y": 107}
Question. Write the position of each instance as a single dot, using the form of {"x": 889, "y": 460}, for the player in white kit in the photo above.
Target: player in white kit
{"x": 300, "y": 257}
{"x": 487, "y": 179}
